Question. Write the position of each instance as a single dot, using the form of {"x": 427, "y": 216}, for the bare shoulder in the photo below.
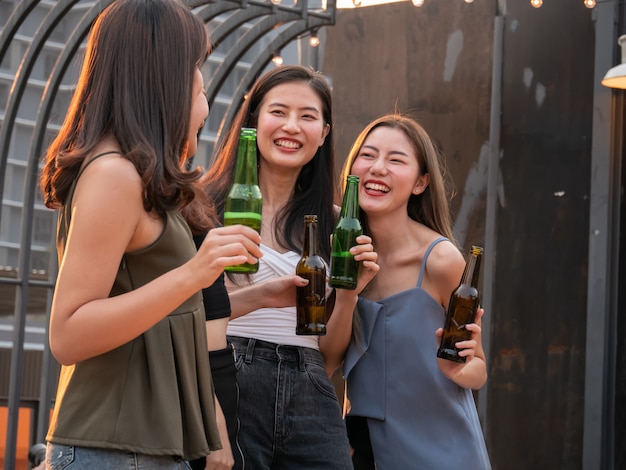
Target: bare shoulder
{"x": 444, "y": 270}
{"x": 113, "y": 166}
{"x": 444, "y": 258}
{"x": 110, "y": 179}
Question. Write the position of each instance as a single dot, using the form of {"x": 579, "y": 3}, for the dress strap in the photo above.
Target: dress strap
{"x": 423, "y": 268}
{"x": 93, "y": 159}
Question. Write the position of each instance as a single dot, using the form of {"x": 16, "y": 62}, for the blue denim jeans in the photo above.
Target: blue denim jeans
{"x": 60, "y": 457}
{"x": 289, "y": 412}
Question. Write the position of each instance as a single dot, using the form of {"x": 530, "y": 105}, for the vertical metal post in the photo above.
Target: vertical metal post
{"x": 598, "y": 431}
{"x": 492, "y": 201}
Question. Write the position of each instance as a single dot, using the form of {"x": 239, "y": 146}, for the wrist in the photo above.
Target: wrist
{"x": 346, "y": 297}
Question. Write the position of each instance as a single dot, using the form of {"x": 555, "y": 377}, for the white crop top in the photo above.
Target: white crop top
{"x": 275, "y": 325}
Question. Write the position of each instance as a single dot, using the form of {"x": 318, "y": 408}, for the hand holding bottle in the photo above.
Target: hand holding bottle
{"x": 223, "y": 247}
{"x": 462, "y": 308}
{"x": 468, "y": 349}
{"x": 275, "y": 293}
{"x": 364, "y": 254}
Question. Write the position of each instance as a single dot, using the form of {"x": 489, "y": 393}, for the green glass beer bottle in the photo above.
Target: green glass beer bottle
{"x": 343, "y": 267}
{"x": 462, "y": 308}
{"x": 311, "y": 299}
{"x": 243, "y": 204}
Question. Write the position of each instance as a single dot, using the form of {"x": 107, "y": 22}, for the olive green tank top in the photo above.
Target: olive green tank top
{"x": 154, "y": 394}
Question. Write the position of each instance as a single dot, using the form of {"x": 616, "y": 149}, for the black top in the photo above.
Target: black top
{"x": 215, "y": 297}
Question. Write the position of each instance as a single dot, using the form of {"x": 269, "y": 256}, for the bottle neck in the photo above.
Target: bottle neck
{"x": 472, "y": 270}
{"x": 350, "y": 204}
{"x": 246, "y": 169}
{"x": 309, "y": 248}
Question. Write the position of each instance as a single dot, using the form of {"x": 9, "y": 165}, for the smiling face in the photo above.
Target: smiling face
{"x": 389, "y": 172}
{"x": 290, "y": 126}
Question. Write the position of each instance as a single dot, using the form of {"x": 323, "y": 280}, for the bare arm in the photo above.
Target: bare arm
{"x": 445, "y": 268}
{"x": 472, "y": 374}
{"x": 339, "y": 329}
{"x": 275, "y": 293}
{"x": 108, "y": 220}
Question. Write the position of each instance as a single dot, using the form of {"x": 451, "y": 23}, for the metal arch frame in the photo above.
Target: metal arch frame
{"x": 294, "y": 21}
{"x": 14, "y": 22}
{"x": 24, "y": 70}
{"x": 23, "y": 281}
{"x": 249, "y": 38}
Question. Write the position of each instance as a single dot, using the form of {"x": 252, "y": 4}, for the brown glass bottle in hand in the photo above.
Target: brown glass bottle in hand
{"x": 462, "y": 308}
{"x": 311, "y": 299}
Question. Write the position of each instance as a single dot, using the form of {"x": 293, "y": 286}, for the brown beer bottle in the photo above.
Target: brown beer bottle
{"x": 244, "y": 202}
{"x": 311, "y": 299}
{"x": 462, "y": 308}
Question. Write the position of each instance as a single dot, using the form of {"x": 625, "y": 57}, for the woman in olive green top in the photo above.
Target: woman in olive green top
{"x": 127, "y": 321}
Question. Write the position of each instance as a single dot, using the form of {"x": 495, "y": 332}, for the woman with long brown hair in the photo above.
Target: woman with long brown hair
{"x": 408, "y": 408}
{"x": 127, "y": 322}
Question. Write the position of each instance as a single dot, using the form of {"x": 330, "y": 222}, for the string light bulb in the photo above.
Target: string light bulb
{"x": 278, "y": 60}
{"x": 275, "y": 2}
{"x": 536, "y": 3}
{"x": 590, "y": 3}
{"x": 469, "y": 1}
{"x": 314, "y": 40}
{"x": 417, "y": 3}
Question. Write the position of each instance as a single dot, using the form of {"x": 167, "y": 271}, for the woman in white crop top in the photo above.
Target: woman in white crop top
{"x": 289, "y": 412}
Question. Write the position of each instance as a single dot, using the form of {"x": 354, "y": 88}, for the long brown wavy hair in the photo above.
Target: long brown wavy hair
{"x": 135, "y": 85}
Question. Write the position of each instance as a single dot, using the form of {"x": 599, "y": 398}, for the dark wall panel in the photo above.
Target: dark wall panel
{"x": 432, "y": 62}
{"x": 537, "y": 370}
{"x": 435, "y": 62}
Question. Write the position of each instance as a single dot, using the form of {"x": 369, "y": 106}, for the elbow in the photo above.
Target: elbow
{"x": 62, "y": 353}
{"x": 481, "y": 380}
{"x": 479, "y": 384}
{"x": 332, "y": 367}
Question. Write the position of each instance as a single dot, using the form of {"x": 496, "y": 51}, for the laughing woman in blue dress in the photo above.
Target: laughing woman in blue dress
{"x": 409, "y": 409}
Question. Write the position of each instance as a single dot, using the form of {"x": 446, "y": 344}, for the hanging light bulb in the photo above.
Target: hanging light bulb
{"x": 469, "y": 1}
{"x": 417, "y": 3}
{"x": 536, "y": 3}
{"x": 275, "y": 2}
{"x": 590, "y": 3}
{"x": 277, "y": 59}
{"x": 314, "y": 40}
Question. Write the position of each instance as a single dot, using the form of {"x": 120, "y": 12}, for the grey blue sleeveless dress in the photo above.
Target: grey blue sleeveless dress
{"x": 417, "y": 418}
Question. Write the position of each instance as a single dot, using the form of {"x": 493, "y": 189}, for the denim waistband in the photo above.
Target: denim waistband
{"x": 251, "y": 347}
